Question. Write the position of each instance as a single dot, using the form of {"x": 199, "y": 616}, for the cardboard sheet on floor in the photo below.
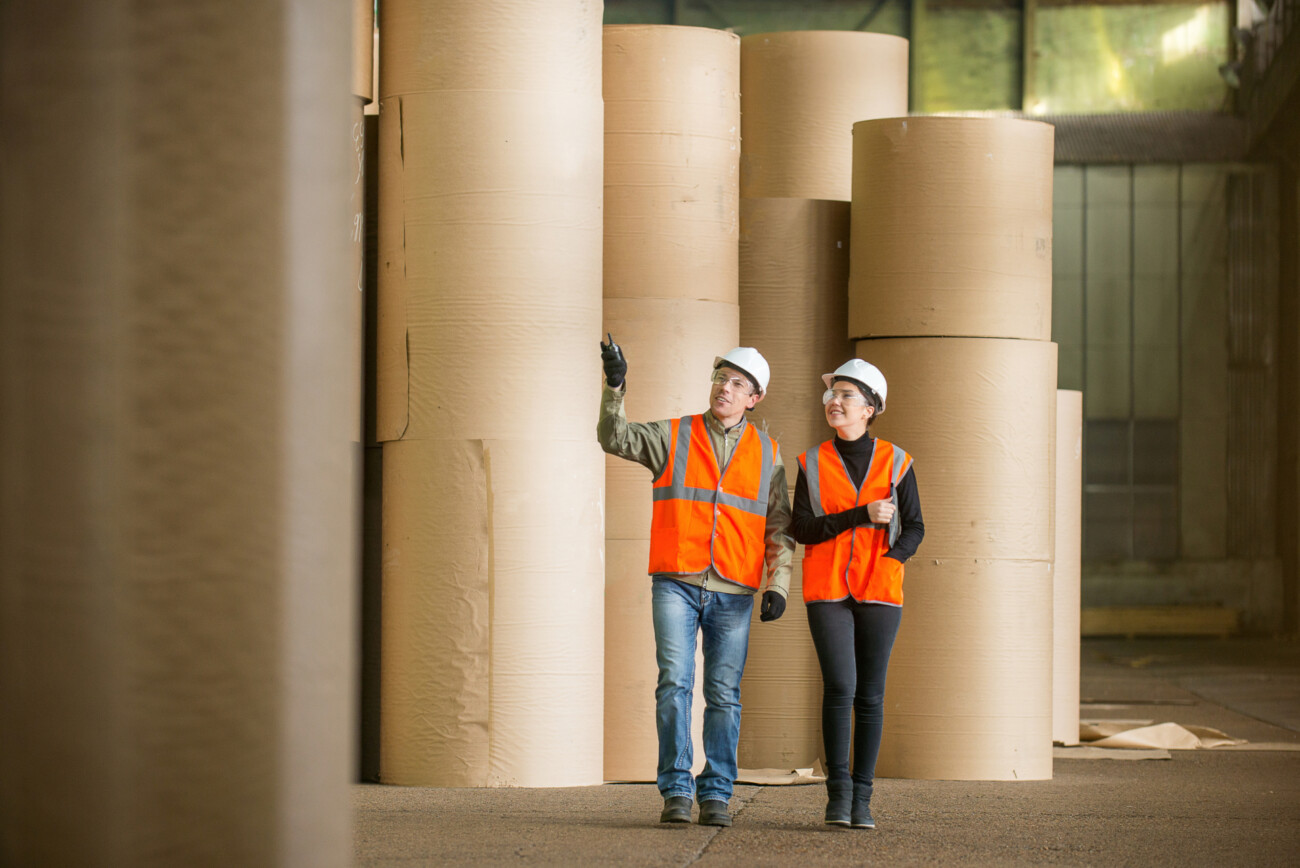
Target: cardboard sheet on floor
{"x": 801, "y": 93}
{"x": 1170, "y": 736}
{"x": 1083, "y": 751}
{"x": 952, "y": 228}
{"x": 780, "y": 777}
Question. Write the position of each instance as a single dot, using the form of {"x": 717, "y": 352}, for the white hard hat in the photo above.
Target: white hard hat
{"x": 862, "y": 372}
{"x": 749, "y": 361}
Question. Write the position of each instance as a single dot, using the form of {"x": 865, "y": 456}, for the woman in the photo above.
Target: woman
{"x": 857, "y": 512}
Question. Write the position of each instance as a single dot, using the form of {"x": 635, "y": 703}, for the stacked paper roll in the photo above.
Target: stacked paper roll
{"x": 793, "y": 281}
{"x": 489, "y": 278}
{"x": 969, "y": 688}
{"x": 175, "y": 407}
{"x": 803, "y": 91}
{"x": 1066, "y": 587}
{"x": 951, "y": 260}
{"x": 952, "y": 228}
{"x": 672, "y": 141}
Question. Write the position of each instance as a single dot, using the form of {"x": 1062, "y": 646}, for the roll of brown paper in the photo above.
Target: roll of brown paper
{"x": 794, "y": 266}
{"x": 781, "y": 727}
{"x": 802, "y": 92}
{"x": 363, "y": 47}
{"x": 1066, "y": 587}
{"x": 969, "y": 695}
{"x": 491, "y": 150}
{"x": 970, "y": 680}
{"x": 974, "y": 412}
{"x": 794, "y": 261}
{"x": 493, "y": 614}
{"x": 177, "y": 511}
{"x": 672, "y": 150}
{"x": 672, "y": 135}
{"x": 489, "y": 264}
{"x": 952, "y": 228}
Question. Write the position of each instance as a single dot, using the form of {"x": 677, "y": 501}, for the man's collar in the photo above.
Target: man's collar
{"x": 714, "y": 422}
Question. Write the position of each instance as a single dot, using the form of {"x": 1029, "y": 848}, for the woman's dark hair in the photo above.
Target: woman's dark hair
{"x": 872, "y": 398}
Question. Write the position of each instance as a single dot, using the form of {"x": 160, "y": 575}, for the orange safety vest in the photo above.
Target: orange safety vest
{"x": 853, "y": 564}
{"x": 709, "y": 516}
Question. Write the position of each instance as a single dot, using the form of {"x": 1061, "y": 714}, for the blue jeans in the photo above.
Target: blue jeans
{"x": 680, "y": 611}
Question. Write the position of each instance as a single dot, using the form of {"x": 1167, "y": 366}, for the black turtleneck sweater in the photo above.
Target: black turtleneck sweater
{"x": 810, "y": 529}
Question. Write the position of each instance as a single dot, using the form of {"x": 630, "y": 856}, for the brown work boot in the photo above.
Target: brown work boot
{"x": 713, "y": 812}
{"x": 677, "y": 809}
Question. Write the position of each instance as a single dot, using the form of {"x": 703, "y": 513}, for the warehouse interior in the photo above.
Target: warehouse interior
{"x": 310, "y": 556}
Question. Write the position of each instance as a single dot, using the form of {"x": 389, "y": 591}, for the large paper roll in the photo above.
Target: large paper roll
{"x": 794, "y": 265}
{"x": 968, "y": 695}
{"x": 489, "y": 264}
{"x": 952, "y": 228}
{"x": 672, "y": 135}
{"x": 672, "y": 150}
{"x": 781, "y": 727}
{"x": 802, "y": 93}
{"x": 975, "y": 413}
{"x": 176, "y": 436}
{"x": 491, "y": 147}
{"x": 493, "y": 614}
{"x": 363, "y": 48}
{"x": 970, "y": 688}
{"x": 549, "y": 47}
{"x": 794, "y": 262}
{"x": 1066, "y": 581}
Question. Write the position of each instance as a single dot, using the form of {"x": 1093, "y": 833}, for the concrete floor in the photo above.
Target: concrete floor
{"x": 1235, "y": 806}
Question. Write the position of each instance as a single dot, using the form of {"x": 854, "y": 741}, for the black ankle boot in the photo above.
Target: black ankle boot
{"x": 861, "y": 818}
{"x": 838, "y": 796}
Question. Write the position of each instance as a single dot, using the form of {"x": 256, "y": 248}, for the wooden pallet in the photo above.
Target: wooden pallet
{"x": 1131, "y": 621}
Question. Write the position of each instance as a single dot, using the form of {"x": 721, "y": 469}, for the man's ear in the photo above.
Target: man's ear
{"x": 758, "y": 397}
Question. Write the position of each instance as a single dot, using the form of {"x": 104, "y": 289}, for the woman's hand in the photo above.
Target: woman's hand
{"x": 881, "y": 511}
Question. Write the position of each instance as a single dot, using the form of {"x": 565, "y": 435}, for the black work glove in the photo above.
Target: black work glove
{"x": 773, "y": 606}
{"x": 615, "y": 365}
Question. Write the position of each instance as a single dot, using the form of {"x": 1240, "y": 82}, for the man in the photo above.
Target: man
{"x": 721, "y": 514}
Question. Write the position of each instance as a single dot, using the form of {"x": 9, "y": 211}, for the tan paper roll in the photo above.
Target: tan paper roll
{"x": 491, "y": 149}
{"x": 178, "y": 564}
{"x": 672, "y": 148}
{"x": 493, "y": 616}
{"x": 631, "y": 672}
{"x": 969, "y": 691}
{"x": 534, "y": 46}
{"x": 794, "y": 263}
{"x": 489, "y": 264}
{"x": 781, "y": 726}
{"x": 802, "y": 92}
{"x": 952, "y": 228}
{"x": 363, "y": 46}
{"x": 968, "y": 695}
{"x": 1066, "y": 580}
{"x": 975, "y": 414}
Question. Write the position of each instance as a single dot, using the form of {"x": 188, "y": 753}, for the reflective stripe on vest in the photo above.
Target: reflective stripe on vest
{"x": 852, "y": 564}
{"x": 710, "y": 516}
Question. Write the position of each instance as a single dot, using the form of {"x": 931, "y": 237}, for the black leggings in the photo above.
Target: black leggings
{"x": 853, "y": 643}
